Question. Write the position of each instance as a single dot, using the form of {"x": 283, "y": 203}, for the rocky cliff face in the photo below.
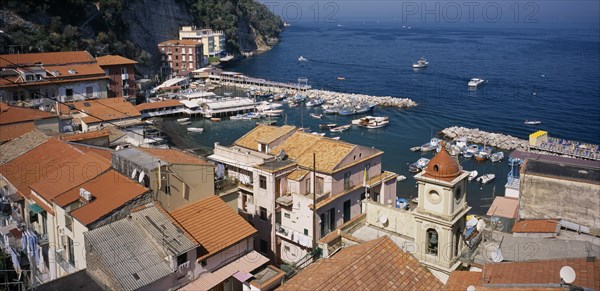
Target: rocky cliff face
{"x": 153, "y": 21}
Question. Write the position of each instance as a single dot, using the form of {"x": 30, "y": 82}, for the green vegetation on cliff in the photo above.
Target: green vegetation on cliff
{"x": 100, "y": 28}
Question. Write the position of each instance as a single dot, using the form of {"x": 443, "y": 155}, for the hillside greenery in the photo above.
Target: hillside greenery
{"x": 97, "y": 26}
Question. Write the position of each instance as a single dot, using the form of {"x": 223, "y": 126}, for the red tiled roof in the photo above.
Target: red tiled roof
{"x": 506, "y": 207}
{"x": 13, "y": 114}
{"x": 53, "y": 58}
{"x": 85, "y": 135}
{"x": 104, "y": 152}
{"x": 374, "y": 265}
{"x": 213, "y": 224}
{"x": 106, "y": 109}
{"x": 77, "y": 70}
{"x": 175, "y": 156}
{"x": 33, "y": 166}
{"x": 543, "y": 272}
{"x": 179, "y": 42}
{"x": 111, "y": 60}
{"x": 160, "y": 104}
{"x": 460, "y": 280}
{"x": 14, "y": 130}
{"x": 536, "y": 225}
{"x": 61, "y": 177}
{"x": 110, "y": 191}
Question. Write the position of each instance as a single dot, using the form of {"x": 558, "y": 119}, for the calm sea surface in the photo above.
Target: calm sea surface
{"x": 550, "y": 75}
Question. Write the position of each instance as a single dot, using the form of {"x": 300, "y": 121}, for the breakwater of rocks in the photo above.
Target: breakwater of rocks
{"x": 333, "y": 97}
{"x": 474, "y": 135}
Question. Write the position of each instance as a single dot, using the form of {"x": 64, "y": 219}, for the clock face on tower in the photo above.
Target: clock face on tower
{"x": 434, "y": 197}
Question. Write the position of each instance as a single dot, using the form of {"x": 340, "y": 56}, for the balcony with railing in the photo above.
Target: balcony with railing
{"x": 63, "y": 260}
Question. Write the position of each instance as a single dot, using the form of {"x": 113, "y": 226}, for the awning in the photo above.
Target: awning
{"x": 246, "y": 264}
{"x": 35, "y": 208}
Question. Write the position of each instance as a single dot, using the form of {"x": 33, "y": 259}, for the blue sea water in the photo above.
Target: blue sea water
{"x": 544, "y": 74}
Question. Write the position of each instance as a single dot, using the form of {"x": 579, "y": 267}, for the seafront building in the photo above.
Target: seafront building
{"x": 213, "y": 42}
{"x": 66, "y": 76}
{"x": 179, "y": 57}
{"x": 277, "y": 180}
{"x": 121, "y": 71}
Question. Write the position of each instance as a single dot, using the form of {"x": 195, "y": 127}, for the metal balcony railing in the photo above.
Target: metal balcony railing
{"x": 64, "y": 262}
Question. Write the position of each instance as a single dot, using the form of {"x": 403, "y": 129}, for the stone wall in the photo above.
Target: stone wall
{"x": 577, "y": 202}
{"x": 474, "y": 135}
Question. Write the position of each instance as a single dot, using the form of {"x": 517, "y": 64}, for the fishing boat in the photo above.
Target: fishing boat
{"x": 421, "y": 63}
{"x": 299, "y": 98}
{"x": 266, "y": 122}
{"x": 367, "y": 119}
{"x": 317, "y": 116}
{"x": 484, "y": 179}
{"x": 340, "y": 128}
{"x": 340, "y": 78}
{"x": 473, "y": 83}
{"x": 415, "y": 149}
{"x": 364, "y": 108}
{"x": 496, "y": 157}
{"x": 195, "y": 129}
{"x": 532, "y": 122}
{"x": 431, "y": 145}
{"x": 473, "y": 148}
{"x": 468, "y": 155}
{"x": 473, "y": 175}
{"x": 273, "y": 112}
{"x": 318, "y": 133}
{"x": 302, "y": 59}
{"x": 481, "y": 156}
{"x": 315, "y": 102}
{"x": 327, "y": 125}
{"x": 183, "y": 119}
{"x": 345, "y": 111}
{"x": 377, "y": 124}
{"x": 331, "y": 110}
{"x": 419, "y": 165}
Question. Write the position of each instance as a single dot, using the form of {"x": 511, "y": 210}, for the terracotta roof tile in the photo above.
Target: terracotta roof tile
{"x": 85, "y": 135}
{"x": 213, "y": 224}
{"x": 111, "y": 60}
{"x": 264, "y": 134}
{"x": 33, "y": 166}
{"x": 104, "y": 152}
{"x": 110, "y": 190}
{"x": 297, "y": 174}
{"x": 14, "y": 130}
{"x": 64, "y": 176}
{"x": 106, "y": 109}
{"x": 297, "y": 144}
{"x": 175, "y": 157}
{"x": 53, "y": 58}
{"x": 329, "y": 154}
{"x": 536, "y": 225}
{"x": 460, "y": 280}
{"x": 160, "y": 104}
{"x": 173, "y": 42}
{"x": 542, "y": 272}
{"x": 75, "y": 71}
{"x": 374, "y": 265}
{"x": 13, "y": 114}
{"x": 20, "y": 145}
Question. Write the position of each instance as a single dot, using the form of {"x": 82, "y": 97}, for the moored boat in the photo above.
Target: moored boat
{"x": 195, "y": 129}
{"x": 473, "y": 83}
{"x": 415, "y": 149}
{"x": 317, "y": 116}
{"x": 377, "y": 124}
{"x": 468, "y": 155}
{"x": 431, "y": 145}
{"x": 327, "y": 125}
{"x": 315, "y": 102}
{"x": 484, "y": 179}
{"x": 183, "y": 119}
{"x": 185, "y": 122}
{"x": 473, "y": 175}
{"x": 532, "y": 122}
{"x": 273, "y": 112}
{"x": 340, "y": 128}
{"x": 496, "y": 157}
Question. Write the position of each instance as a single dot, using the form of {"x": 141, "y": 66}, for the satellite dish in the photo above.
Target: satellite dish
{"x": 496, "y": 256}
{"x": 383, "y": 219}
{"x": 567, "y": 274}
{"x": 471, "y": 288}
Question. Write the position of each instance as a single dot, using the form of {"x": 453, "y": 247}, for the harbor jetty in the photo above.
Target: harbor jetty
{"x": 475, "y": 135}
{"x": 238, "y": 80}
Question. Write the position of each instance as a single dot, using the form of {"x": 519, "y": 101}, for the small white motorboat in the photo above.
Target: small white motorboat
{"x": 496, "y": 157}
{"x": 532, "y": 122}
{"x": 415, "y": 149}
{"x": 315, "y": 102}
{"x": 473, "y": 83}
{"x": 422, "y": 63}
{"x": 317, "y": 116}
{"x": 336, "y": 138}
{"x": 340, "y": 128}
{"x": 183, "y": 119}
{"x": 273, "y": 112}
{"x": 318, "y": 133}
{"x": 195, "y": 129}
{"x": 186, "y": 123}
{"x": 377, "y": 124}
{"x": 473, "y": 175}
{"x": 484, "y": 179}
{"x": 302, "y": 59}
